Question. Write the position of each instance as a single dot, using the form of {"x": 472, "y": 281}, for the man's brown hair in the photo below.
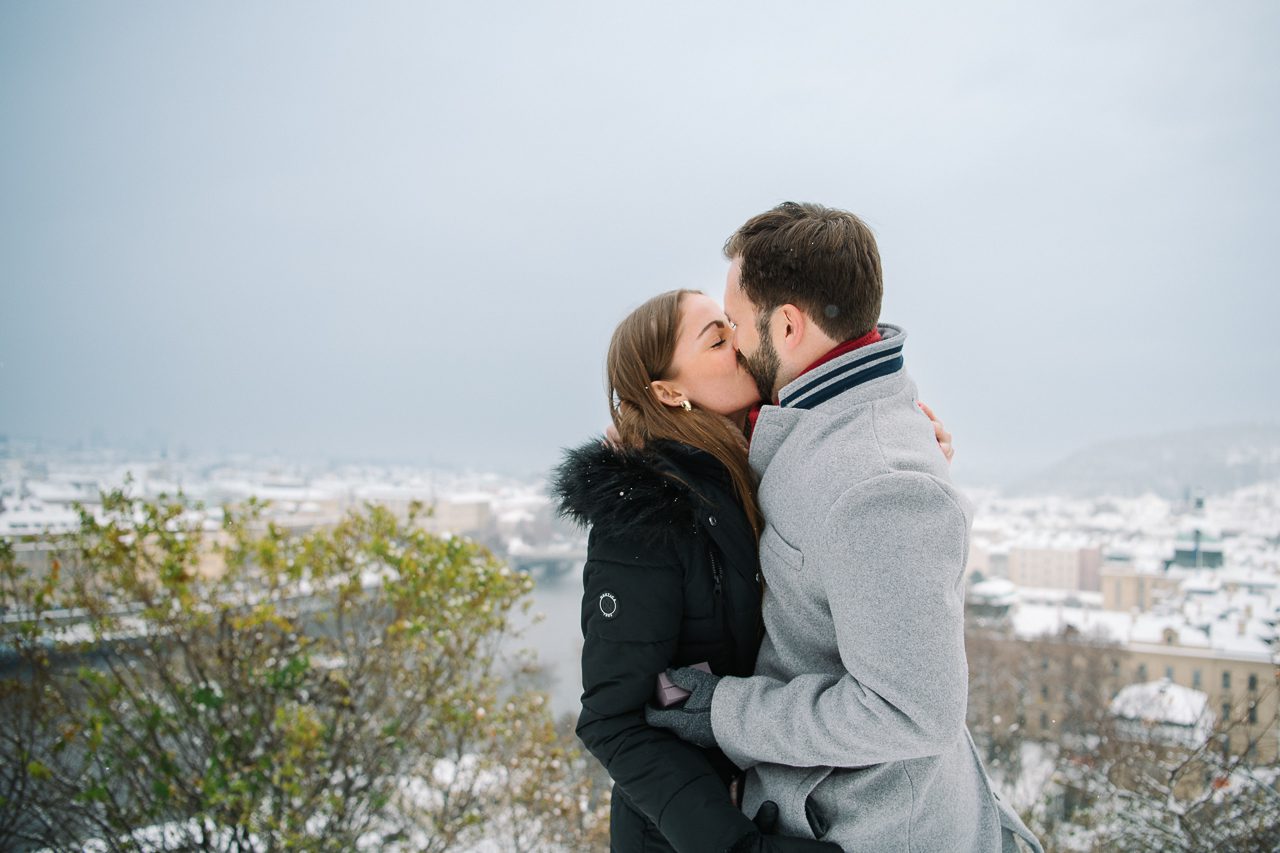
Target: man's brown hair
{"x": 823, "y": 261}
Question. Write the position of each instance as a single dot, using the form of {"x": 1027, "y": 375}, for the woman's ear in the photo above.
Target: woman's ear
{"x": 667, "y": 393}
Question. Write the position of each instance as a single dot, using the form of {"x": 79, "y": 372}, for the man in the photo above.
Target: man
{"x": 854, "y": 722}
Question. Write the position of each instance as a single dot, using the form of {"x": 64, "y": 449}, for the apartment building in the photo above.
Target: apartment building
{"x": 1056, "y": 565}
{"x": 1224, "y": 653}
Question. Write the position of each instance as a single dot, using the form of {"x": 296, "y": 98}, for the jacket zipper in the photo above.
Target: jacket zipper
{"x": 724, "y": 613}
{"x": 715, "y": 570}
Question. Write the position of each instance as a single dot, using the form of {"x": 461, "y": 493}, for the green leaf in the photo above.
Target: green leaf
{"x": 291, "y": 674}
{"x": 96, "y": 793}
{"x": 207, "y": 697}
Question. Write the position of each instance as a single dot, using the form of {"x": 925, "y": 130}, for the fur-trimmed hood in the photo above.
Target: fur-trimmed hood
{"x": 640, "y": 493}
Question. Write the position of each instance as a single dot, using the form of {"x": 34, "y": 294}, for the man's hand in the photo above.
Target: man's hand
{"x": 691, "y": 721}
{"x": 767, "y": 841}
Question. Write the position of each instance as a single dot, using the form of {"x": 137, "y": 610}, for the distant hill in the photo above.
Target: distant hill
{"x": 1211, "y": 460}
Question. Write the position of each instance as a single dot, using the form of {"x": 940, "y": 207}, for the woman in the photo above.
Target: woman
{"x": 672, "y": 576}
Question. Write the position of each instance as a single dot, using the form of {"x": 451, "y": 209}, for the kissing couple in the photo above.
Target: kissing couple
{"x": 796, "y": 568}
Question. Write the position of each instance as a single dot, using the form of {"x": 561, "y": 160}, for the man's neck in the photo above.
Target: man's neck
{"x": 801, "y": 360}
{"x": 840, "y": 349}
{"x": 828, "y": 351}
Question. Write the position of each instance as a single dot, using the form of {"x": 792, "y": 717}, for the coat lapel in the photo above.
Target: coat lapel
{"x": 772, "y": 428}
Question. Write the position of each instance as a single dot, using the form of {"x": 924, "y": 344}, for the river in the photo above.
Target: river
{"x": 556, "y": 637}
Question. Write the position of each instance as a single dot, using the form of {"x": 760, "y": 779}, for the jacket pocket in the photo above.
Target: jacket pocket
{"x": 795, "y": 806}
{"x": 818, "y": 823}
{"x": 782, "y": 550}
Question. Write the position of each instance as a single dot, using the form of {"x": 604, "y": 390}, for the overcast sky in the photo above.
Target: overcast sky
{"x": 382, "y": 230}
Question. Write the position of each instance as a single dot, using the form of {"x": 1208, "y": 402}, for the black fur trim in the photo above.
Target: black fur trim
{"x": 624, "y": 490}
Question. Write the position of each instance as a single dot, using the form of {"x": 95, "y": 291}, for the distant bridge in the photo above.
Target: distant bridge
{"x": 549, "y": 562}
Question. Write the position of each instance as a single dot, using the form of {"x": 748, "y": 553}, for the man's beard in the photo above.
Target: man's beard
{"x": 763, "y": 364}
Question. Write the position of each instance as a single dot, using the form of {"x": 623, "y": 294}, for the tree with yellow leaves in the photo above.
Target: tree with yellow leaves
{"x": 339, "y": 689}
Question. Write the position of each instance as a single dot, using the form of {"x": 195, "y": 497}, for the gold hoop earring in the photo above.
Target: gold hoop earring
{"x": 686, "y": 405}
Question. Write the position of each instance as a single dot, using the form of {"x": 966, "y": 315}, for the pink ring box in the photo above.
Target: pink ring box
{"x": 669, "y": 694}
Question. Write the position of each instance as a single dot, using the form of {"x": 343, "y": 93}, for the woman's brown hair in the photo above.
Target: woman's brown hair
{"x": 641, "y": 351}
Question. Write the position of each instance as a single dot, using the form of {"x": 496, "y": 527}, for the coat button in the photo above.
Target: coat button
{"x": 712, "y": 521}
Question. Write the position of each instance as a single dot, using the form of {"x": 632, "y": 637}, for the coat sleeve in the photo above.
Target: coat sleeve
{"x": 631, "y": 616}
{"x": 890, "y": 563}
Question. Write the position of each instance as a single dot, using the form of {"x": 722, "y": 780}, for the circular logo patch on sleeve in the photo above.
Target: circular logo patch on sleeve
{"x": 608, "y": 605}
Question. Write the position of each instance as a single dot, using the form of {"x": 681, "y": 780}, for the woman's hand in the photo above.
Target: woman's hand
{"x": 939, "y": 431}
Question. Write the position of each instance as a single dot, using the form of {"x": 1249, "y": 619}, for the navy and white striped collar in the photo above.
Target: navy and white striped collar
{"x": 846, "y": 372}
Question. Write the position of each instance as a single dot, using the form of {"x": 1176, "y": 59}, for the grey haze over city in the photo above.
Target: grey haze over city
{"x": 406, "y": 231}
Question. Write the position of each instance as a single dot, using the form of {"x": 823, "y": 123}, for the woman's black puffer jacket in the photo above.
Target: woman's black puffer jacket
{"x": 671, "y": 579}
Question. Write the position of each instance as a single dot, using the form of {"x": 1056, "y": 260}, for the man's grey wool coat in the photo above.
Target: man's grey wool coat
{"x": 854, "y": 722}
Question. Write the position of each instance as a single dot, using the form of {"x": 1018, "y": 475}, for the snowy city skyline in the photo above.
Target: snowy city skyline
{"x": 1175, "y": 600}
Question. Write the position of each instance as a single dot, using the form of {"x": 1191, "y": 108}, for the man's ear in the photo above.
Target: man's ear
{"x": 791, "y": 327}
{"x": 668, "y": 394}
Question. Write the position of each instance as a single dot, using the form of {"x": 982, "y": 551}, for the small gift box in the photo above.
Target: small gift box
{"x": 668, "y": 693}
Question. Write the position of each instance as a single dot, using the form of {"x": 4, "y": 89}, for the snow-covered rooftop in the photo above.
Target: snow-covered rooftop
{"x": 1191, "y": 635}
{"x": 1162, "y": 710}
{"x": 1161, "y": 702}
{"x": 31, "y": 517}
